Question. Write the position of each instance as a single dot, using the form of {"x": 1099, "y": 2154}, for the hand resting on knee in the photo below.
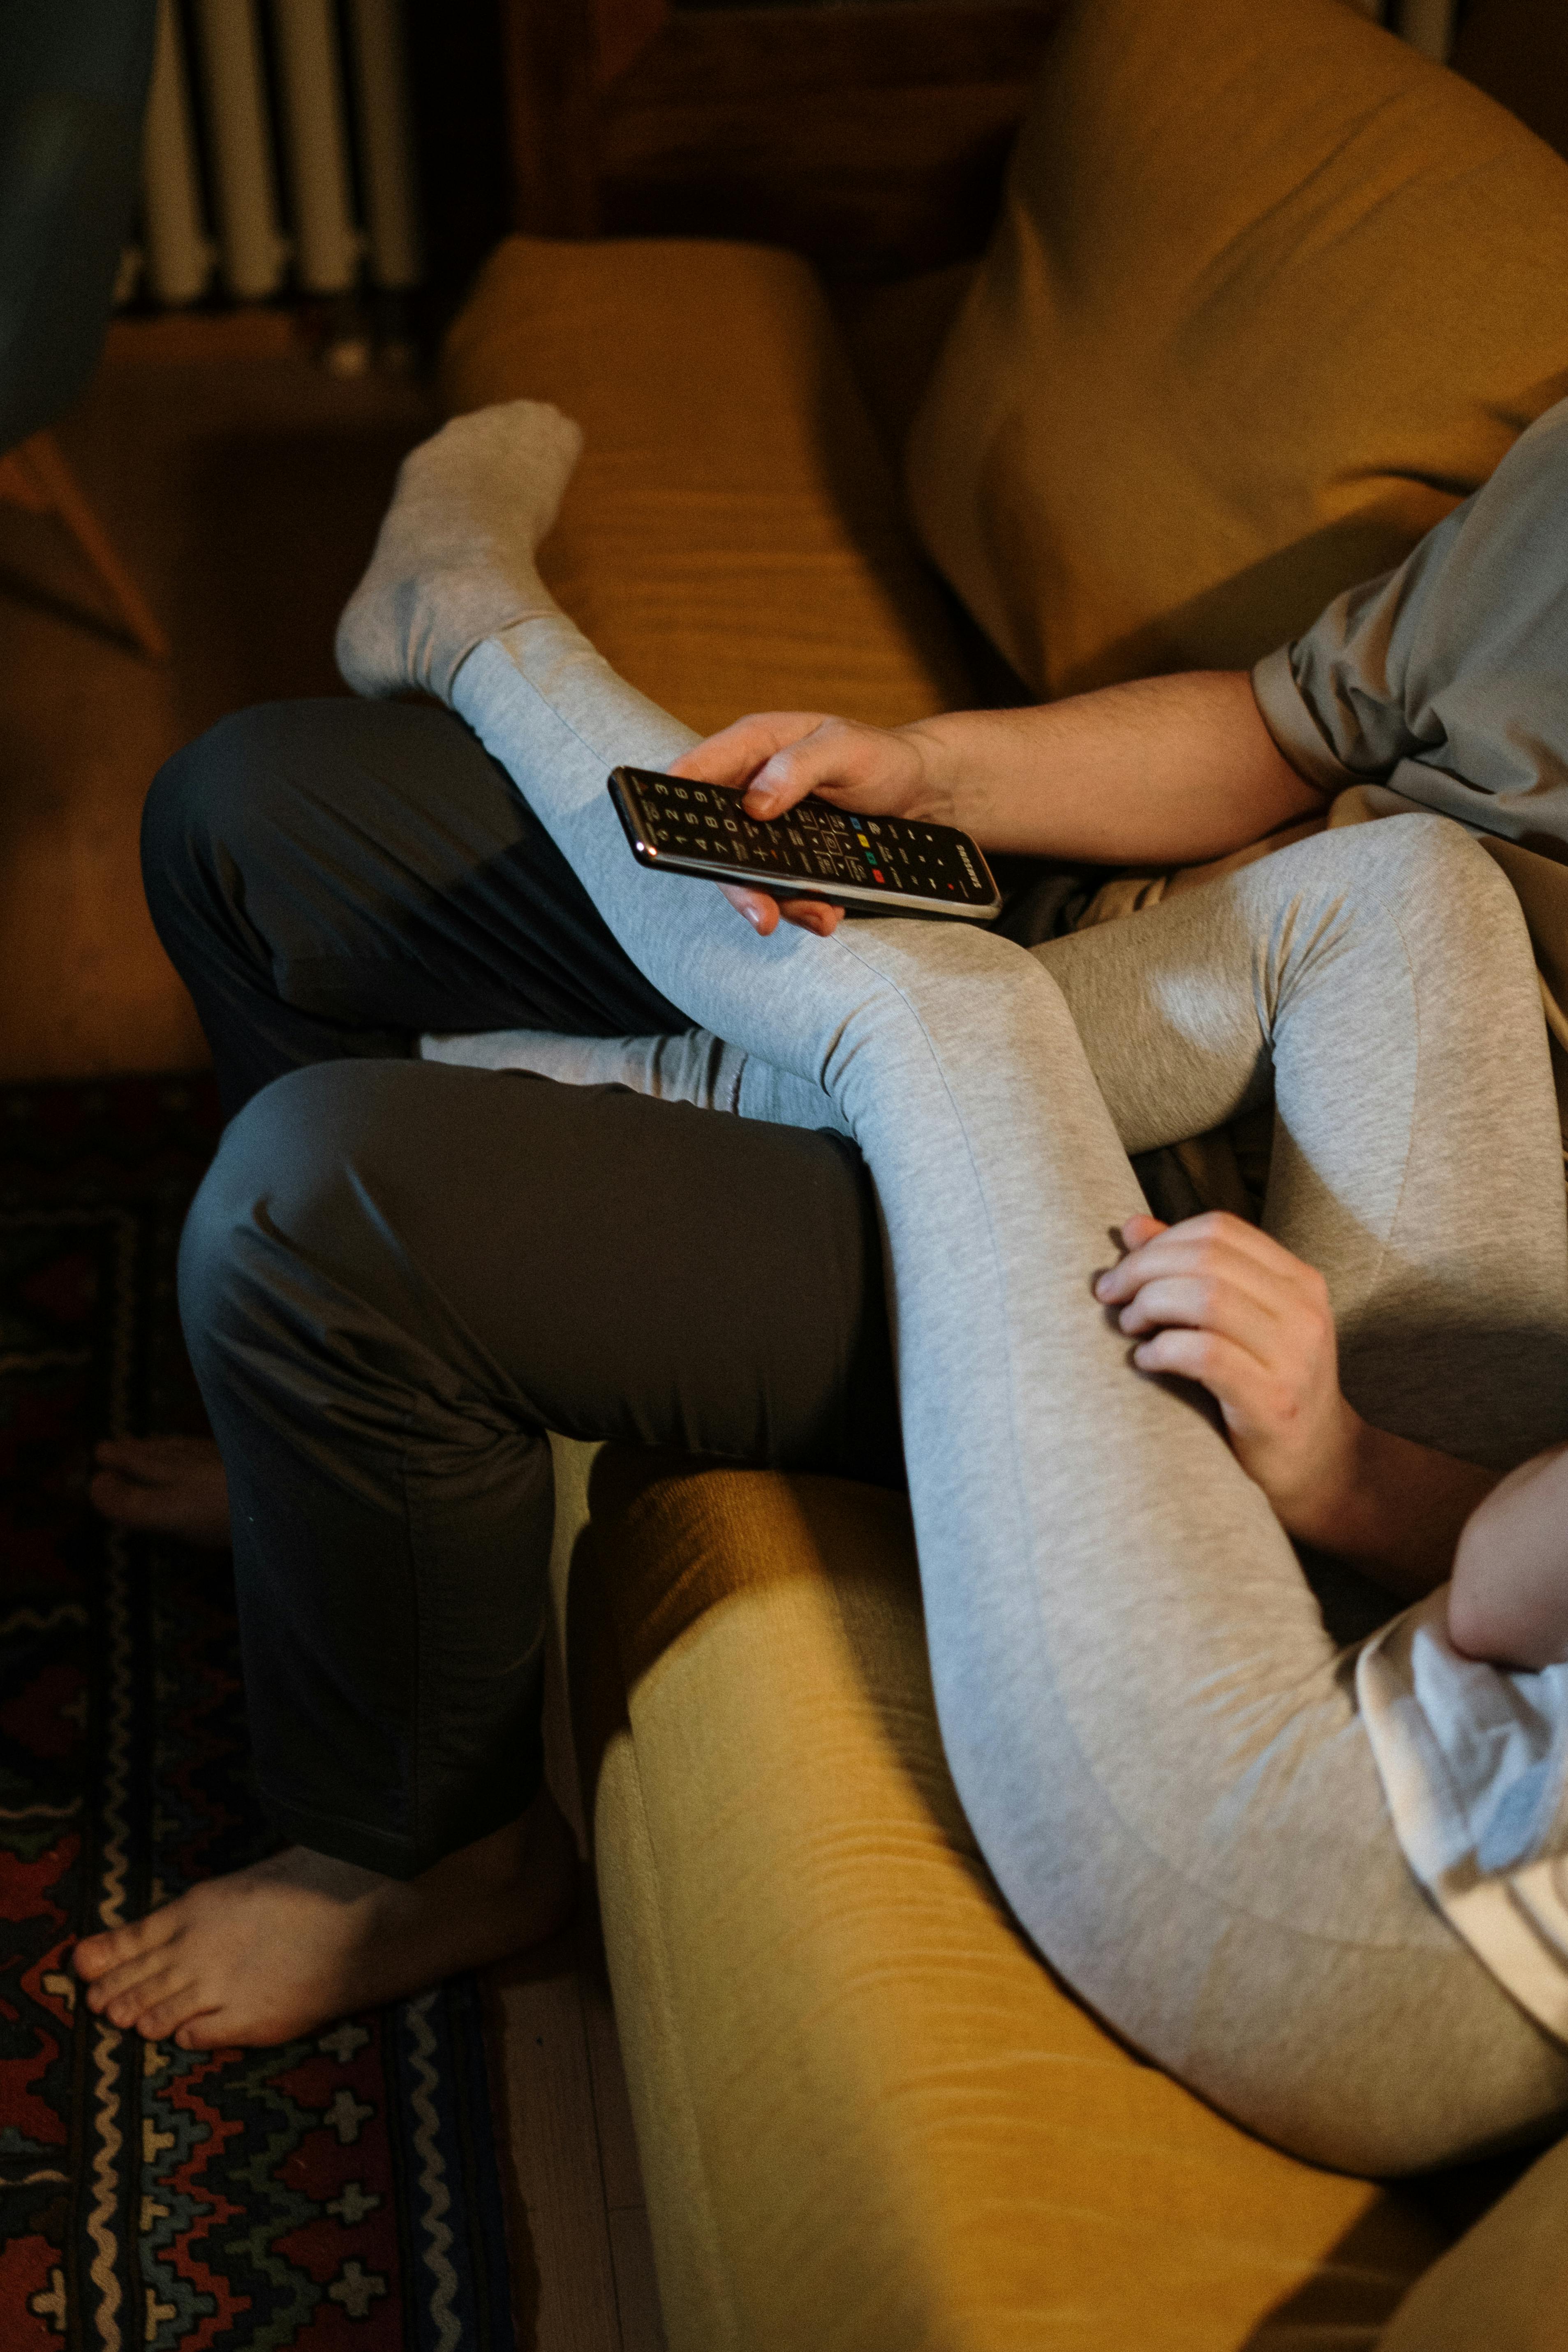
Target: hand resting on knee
{"x": 1214, "y": 1300}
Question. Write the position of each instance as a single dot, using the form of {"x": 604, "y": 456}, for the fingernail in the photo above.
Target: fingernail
{"x": 1101, "y": 1284}
{"x": 752, "y": 918}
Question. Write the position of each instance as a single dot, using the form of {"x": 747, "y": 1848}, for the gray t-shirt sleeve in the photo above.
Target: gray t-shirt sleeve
{"x": 1448, "y": 678}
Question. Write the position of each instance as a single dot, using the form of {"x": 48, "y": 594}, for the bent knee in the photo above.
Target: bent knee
{"x": 1432, "y": 861}
{"x": 1388, "y": 2058}
{"x": 211, "y": 797}
{"x": 292, "y": 1196}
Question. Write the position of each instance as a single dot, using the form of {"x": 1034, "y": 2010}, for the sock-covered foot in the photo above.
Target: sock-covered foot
{"x": 454, "y": 559}
{"x": 275, "y": 1951}
{"x": 163, "y": 1486}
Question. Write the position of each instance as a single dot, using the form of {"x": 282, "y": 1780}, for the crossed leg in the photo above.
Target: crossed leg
{"x": 597, "y": 1263}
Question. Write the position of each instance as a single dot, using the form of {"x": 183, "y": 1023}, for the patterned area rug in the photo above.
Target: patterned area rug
{"x": 338, "y": 2192}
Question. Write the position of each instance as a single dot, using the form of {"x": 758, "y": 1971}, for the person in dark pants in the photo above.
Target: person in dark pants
{"x": 332, "y": 879}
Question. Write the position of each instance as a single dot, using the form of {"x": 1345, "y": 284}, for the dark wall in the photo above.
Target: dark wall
{"x": 455, "y": 65}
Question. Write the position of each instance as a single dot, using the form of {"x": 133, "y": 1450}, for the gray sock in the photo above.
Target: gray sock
{"x": 454, "y": 559}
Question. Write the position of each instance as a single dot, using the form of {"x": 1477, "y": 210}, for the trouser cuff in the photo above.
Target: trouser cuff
{"x": 403, "y": 1855}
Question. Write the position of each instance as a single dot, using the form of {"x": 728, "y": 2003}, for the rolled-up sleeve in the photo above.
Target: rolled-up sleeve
{"x": 1448, "y": 678}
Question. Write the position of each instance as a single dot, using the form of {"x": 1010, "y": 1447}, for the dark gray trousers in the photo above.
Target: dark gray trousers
{"x": 398, "y": 1275}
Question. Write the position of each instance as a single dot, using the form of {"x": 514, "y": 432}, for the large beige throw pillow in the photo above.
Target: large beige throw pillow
{"x": 1270, "y": 294}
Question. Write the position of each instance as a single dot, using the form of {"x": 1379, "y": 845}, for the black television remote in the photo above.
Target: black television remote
{"x": 867, "y": 864}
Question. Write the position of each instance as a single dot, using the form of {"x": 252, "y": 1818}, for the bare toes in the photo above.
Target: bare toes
{"x": 174, "y": 2016}
{"x": 120, "y": 1453}
{"x": 158, "y": 1456}
{"x": 122, "y": 1499}
{"x": 142, "y": 1983}
{"x": 101, "y": 1997}
{"x": 96, "y": 1956}
{"x": 163, "y": 1486}
{"x": 129, "y": 2005}
{"x": 211, "y": 2029}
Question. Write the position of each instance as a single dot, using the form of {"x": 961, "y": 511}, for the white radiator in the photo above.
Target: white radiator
{"x": 273, "y": 163}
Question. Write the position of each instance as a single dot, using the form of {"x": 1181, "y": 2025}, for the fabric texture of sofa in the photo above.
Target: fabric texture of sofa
{"x": 869, "y": 2119}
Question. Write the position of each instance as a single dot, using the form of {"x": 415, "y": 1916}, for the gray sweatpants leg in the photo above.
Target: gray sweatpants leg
{"x": 1144, "y": 1719}
{"x": 1377, "y": 984}
{"x": 1353, "y": 980}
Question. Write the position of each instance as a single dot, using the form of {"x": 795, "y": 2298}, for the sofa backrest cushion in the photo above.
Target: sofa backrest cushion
{"x": 1270, "y": 294}
{"x": 732, "y": 539}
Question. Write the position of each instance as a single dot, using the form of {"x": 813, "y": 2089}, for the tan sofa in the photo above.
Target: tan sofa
{"x": 867, "y": 2115}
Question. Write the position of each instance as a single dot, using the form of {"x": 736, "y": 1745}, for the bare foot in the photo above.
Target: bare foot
{"x": 272, "y": 1952}
{"x": 163, "y": 1486}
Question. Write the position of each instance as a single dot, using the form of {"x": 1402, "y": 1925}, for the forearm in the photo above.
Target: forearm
{"x": 1161, "y": 769}
{"x": 1395, "y": 1509}
{"x": 1510, "y": 1600}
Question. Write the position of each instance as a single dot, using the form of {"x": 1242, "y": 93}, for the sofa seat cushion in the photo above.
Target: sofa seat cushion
{"x": 870, "y": 2118}
{"x": 1270, "y": 293}
{"x": 733, "y": 540}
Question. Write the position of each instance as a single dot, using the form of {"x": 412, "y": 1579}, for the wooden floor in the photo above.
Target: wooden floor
{"x": 243, "y": 485}
{"x": 575, "y": 2174}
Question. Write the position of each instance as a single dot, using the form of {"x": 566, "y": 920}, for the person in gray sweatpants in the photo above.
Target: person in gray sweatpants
{"x": 1148, "y": 1726}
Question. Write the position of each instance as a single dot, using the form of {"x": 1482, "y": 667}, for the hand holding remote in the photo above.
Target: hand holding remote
{"x": 779, "y": 756}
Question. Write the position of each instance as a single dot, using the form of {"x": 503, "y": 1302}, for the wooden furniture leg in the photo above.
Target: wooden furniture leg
{"x": 35, "y": 477}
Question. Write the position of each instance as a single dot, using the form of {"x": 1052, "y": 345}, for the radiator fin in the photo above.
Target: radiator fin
{"x": 251, "y": 148}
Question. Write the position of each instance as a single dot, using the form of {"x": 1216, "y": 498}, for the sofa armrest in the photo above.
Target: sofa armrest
{"x": 868, "y": 2117}
{"x": 1505, "y": 2284}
